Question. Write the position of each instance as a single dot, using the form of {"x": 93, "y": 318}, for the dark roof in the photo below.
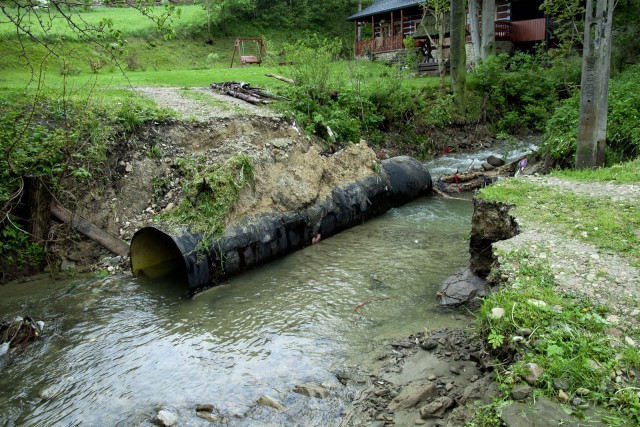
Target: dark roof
{"x": 382, "y": 6}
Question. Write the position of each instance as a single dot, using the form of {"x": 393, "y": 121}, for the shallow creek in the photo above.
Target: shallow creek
{"x": 115, "y": 350}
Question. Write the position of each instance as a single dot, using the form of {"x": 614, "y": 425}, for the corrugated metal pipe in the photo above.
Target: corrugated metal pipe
{"x": 157, "y": 253}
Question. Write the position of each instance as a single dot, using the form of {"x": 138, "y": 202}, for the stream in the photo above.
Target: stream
{"x": 115, "y": 350}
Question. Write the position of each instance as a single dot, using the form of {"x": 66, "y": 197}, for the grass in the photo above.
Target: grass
{"x": 210, "y": 191}
{"x": 567, "y": 338}
{"x": 622, "y": 173}
{"x": 128, "y": 21}
{"x": 608, "y": 224}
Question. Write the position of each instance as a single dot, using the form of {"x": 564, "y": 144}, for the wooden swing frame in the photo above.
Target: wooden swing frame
{"x": 247, "y": 59}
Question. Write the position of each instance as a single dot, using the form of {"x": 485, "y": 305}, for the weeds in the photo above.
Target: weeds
{"x": 210, "y": 192}
{"x": 569, "y": 338}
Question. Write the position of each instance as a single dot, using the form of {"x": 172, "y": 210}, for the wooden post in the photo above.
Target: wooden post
{"x": 402, "y": 23}
{"x": 392, "y": 25}
{"x": 373, "y": 28}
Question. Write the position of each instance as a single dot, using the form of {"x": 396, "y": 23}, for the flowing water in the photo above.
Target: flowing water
{"x": 115, "y": 350}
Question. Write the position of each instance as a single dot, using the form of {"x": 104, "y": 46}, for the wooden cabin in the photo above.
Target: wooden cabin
{"x": 381, "y": 27}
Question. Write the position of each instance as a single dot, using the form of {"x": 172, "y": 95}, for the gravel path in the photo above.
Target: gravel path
{"x": 208, "y": 104}
{"x": 581, "y": 269}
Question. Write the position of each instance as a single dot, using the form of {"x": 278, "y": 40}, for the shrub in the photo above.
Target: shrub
{"x": 520, "y": 91}
{"x": 623, "y": 133}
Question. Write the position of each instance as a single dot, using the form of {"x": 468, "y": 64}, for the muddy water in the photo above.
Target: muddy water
{"x": 116, "y": 350}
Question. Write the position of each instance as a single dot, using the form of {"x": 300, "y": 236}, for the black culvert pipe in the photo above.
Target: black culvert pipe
{"x": 157, "y": 253}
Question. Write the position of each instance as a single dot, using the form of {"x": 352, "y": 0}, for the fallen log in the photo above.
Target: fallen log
{"x": 103, "y": 238}
{"x": 469, "y": 181}
{"x": 281, "y": 78}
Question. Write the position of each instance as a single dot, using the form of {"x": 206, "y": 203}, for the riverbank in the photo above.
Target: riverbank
{"x": 558, "y": 342}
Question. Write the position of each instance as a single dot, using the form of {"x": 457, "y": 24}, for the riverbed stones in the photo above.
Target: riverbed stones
{"x": 540, "y": 413}
{"x": 497, "y": 313}
{"x": 532, "y": 371}
{"x": 521, "y": 392}
{"x": 436, "y": 408}
{"x": 206, "y": 407}
{"x": 414, "y": 393}
{"x": 165, "y": 418}
{"x": 461, "y": 287}
{"x": 311, "y": 390}
{"x": 495, "y": 161}
{"x": 271, "y": 402}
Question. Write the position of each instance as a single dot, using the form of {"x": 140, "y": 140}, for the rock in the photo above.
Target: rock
{"x": 413, "y": 393}
{"x": 311, "y": 390}
{"x": 39, "y": 325}
{"x": 419, "y": 422}
{"x": 461, "y": 287}
{"x": 487, "y": 166}
{"x": 437, "y": 408}
{"x": 497, "y": 313}
{"x": 630, "y": 341}
{"x": 582, "y": 391}
{"x": 4, "y": 348}
{"x": 540, "y": 413}
{"x": 495, "y": 161}
{"x": 525, "y": 332}
{"x": 206, "y": 415}
{"x": 532, "y": 373}
{"x": 560, "y": 384}
{"x": 206, "y": 407}
{"x": 520, "y": 392}
{"x": 537, "y": 303}
{"x": 269, "y": 401}
{"x": 67, "y": 264}
{"x": 563, "y": 396}
{"x": 429, "y": 344}
{"x": 454, "y": 370}
{"x": 576, "y": 401}
{"x": 165, "y": 418}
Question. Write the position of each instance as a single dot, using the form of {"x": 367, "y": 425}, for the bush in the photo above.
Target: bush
{"x": 520, "y": 90}
{"x": 623, "y": 133}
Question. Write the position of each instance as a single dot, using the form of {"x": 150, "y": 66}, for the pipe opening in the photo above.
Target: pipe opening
{"x": 154, "y": 254}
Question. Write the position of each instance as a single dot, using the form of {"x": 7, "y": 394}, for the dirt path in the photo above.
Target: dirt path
{"x": 201, "y": 104}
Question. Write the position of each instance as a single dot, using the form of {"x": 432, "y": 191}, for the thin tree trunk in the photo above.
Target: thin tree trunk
{"x": 458, "y": 55}
{"x": 488, "y": 28}
{"x": 441, "y": 68}
{"x": 475, "y": 30}
{"x": 359, "y": 27}
{"x": 594, "y": 87}
{"x": 37, "y": 207}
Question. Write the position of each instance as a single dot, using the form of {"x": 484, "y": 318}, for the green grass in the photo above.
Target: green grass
{"x": 568, "y": 338}
{"x": 622, "y": 173}
{"x": 607, "y": 224}
{"x": 128, "y": 21}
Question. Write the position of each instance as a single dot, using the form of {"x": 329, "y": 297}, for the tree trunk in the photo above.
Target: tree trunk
{"x": 458, "y": 56}
{"x": 441, "y": 68}
{"x": 604, "y": 85}
{"x": 488, "y": 28}
{"x": 594, "y": 87}
{"x": 359, "y": 27}
{"x": 475, "y": 30}
{"x": 37, "y": 207}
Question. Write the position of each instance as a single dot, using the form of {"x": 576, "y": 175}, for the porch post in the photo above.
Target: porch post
{"x": 402, "y": 23}
{"x": 392, "y": 25}
{"x": 373, "y": 28}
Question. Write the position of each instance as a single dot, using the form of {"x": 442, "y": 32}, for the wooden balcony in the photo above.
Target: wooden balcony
{"x": 531, "y": 30}
{"x": 379, "y": 45}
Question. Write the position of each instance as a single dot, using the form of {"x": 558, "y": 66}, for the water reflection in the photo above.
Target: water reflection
{"x": 117, "y": 349}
